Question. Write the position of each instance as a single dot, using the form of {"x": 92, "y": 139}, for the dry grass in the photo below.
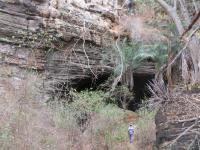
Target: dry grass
{"x": 145, "y": 131}
{"x": 27, "y": 123}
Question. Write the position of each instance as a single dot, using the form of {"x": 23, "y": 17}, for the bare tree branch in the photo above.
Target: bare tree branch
{"x": 192, "y": 24}
{"x": 122, "y": 68}
{"x": 88, "y": 60}
{"x": 192, "y": 143}
{"x": 183, "y": 133}
{"x": 172, "y": 12}
{"x": 186, "y": 45}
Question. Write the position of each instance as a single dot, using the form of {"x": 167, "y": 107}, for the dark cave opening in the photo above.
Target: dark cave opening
{"x": 141, "y": 91}
{"x": 91, "y": 83}
{"x": 60, "y": 90}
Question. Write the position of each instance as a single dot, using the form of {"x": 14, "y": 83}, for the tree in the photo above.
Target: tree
{"x": 178, "y": 10}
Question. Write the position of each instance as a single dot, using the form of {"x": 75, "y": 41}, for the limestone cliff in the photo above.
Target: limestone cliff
{"x": 66, "y": 41}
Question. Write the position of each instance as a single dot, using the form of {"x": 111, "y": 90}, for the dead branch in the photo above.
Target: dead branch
{"x": 88, "y": 60}
{"x": 192, "y": 143}
{"x": 160, "y": 95}
{"x": 184, "y": 132}
{"x": 192, "y": 24}
{"x": 181, "y": 51}
{"x": 187, "y": 120}
{"x": 116, "y": 81}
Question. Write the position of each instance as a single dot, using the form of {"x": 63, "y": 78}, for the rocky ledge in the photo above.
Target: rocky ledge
{"x": 67, "y": 42}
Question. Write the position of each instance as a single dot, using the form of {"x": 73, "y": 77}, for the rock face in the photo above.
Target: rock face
{"x": 66, "y": 41}
{"x": 177, "y": 123}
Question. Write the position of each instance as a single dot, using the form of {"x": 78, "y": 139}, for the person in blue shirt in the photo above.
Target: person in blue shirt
{"x": 131, "y": 132}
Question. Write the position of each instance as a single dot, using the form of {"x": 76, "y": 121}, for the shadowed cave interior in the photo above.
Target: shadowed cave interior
{"x": 140, "y": 90}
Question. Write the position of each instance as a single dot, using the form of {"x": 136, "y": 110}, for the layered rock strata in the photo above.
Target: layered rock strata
{"x": 67, "y": 42}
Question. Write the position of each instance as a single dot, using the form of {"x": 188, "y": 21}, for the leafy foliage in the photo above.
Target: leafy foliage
{"x": 134, "y": 55}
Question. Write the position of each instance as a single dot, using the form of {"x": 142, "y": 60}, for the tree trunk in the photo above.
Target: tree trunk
{"x": 194, "y": 43}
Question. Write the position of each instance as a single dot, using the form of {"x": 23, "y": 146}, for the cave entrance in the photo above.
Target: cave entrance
{"x": 141, "y": 91}
{"x": 91, "y": 83}
{"x": 60, "y": 90}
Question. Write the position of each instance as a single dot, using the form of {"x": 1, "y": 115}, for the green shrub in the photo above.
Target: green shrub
{"x": 90, "y": 101}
